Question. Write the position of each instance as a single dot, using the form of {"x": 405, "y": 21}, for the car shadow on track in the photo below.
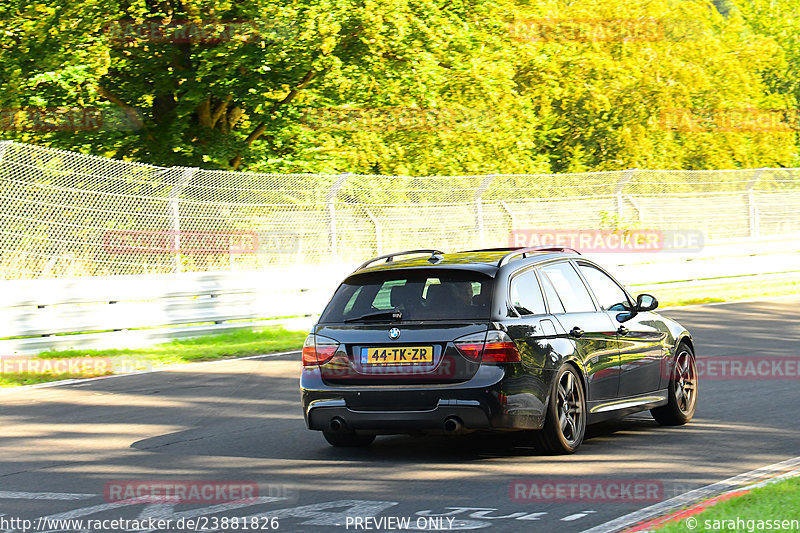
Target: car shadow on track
{"x": 304, "y": 444}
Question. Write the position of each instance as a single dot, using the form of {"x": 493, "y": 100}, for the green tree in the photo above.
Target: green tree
{"x": 397, "y": 87}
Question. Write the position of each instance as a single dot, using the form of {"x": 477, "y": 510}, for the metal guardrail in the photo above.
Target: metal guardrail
{"x": 718, "y": 262}
{"x": 163, "y": 305}
{"x": 123, "y": 311}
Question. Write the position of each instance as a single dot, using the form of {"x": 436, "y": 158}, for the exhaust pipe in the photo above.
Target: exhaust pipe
{"x": 453, "y": 424}
{"x": 337, "y": 424}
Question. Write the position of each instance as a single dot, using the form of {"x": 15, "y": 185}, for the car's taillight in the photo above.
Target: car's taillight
{"x": 318, "y": 350}
{"x": 499, "y": 348}
{"x": 471, "y": 346}
{"x": 492, "y": 347}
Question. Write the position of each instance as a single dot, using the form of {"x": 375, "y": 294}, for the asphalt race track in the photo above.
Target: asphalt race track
{"x": 241, "y": 420}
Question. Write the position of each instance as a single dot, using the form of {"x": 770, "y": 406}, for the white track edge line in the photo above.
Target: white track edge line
{"x": 139, "y": 372}
{"x": 691, "y": 497}
{"x": 731, "y": 302}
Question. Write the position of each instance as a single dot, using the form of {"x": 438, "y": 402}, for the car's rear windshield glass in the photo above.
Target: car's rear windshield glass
{"x": 394, "y": 296}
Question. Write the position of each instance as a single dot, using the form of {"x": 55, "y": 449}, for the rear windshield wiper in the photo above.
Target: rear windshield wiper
{"x": 380, "y": 315}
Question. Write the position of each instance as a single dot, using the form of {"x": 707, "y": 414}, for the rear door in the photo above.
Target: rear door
{"x": 640, "y": 341}
{"x": 593, "y": 332}
{"x": 538, "y": 341}
{"x": 398, "y": 327}
{"x": 528, "y": 318}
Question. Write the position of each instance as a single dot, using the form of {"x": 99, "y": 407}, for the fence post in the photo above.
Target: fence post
{"x": 510, "y": 214}
{"x": 378, "y": 230}
{"x": 487, "y": 180}
{"x": 330, "y": 204}
{"x": 174, "y": 212}
{"x": 623, "y": 181}
{"x": 752, "y": 206}
{"x": 513, "y": 219}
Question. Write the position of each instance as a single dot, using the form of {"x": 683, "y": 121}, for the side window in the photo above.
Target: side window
{"x": 610, "y": 295}
{"x": 526, "y": 296}
{"x": 570, "y": 288}
{"x": 552, "y": 296}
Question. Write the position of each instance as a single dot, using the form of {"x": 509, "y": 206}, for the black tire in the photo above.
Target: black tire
{"x": 565, "y": 421}
{"x": 683, "y": 389}
{"x": 348, "y": 439}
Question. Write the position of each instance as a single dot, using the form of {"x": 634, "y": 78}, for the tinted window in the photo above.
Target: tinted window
{"x": 610, "y": 295}
{"x": 526, "y": 296}
{"x": 418, "y": 295}
{"x": 552, "y": 297}
{"x": 570, "y": 288}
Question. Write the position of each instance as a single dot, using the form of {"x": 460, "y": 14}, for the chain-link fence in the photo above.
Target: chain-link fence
{"x": 65, "y": 214}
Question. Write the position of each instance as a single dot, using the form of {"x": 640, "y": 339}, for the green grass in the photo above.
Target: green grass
{"x": 725, "y": 292}
{"x": 779, "y": 501}
{"x": 204, "y": 348}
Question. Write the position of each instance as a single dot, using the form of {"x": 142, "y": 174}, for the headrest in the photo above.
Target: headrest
{"x": 402, "y": 296}
{"x": 438, "y": 293}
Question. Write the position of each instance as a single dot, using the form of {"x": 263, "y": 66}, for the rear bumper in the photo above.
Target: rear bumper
{"x": 478, "y": 404}
{"x": 469, "y": 412}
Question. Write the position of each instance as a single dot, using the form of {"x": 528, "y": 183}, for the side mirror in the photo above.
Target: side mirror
{"x": 646, "y": 302}
{"x": 624, "y": 317}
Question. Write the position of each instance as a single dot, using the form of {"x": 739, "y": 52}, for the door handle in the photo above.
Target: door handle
{"x": 576, "y": 332}
{"x": 623, "y": 330}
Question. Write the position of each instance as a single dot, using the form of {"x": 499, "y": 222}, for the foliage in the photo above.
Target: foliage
{"x": 398, "y": 87}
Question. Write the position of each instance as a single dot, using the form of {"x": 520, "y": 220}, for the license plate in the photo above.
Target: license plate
{"x": 397, "y": 355}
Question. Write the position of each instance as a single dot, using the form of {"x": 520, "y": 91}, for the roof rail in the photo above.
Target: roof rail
{"x": 498, "y": 249}
{"x": 524, "y": 251}
{"x": 390, "y": 257}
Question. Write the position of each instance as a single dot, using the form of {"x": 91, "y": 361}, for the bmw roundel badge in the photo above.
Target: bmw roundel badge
{"x": 394, "y": 333}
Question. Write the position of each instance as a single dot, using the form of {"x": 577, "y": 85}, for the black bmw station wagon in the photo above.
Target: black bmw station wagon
{"x": 532, "y": 339}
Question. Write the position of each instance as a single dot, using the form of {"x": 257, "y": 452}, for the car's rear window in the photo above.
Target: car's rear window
{"x": 417, "y": 295}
